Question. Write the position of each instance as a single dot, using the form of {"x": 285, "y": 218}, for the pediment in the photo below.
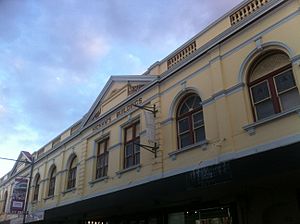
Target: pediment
{"x": 23, "y": 159}
{"x": 116, "y": 90}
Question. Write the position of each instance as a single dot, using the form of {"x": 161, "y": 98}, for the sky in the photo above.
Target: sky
{"x": 56, "y": 56}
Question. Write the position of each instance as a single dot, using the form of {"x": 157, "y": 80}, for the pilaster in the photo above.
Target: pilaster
{"x": 82, "y": 168}
{"x": 221, "y": 104}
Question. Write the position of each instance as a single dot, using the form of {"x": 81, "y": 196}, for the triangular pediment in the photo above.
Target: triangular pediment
{"x": 23, "y": 159}
{"x": 116, "y": 90}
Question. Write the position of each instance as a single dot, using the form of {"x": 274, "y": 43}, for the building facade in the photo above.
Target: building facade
{"x": 209, "y": 134}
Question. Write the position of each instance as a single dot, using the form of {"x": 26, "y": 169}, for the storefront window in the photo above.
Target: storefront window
{"x": 219, "y": 215}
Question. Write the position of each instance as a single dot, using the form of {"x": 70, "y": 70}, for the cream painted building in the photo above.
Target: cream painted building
{"x": 208, "y": 134}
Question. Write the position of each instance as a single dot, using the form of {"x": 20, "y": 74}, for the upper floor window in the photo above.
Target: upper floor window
{"x": 132, "y": 148}
{"x": 36, "y": 187}
{"x": 4, "y": 202}
{"x": 102, "y": 159}
{"x": 190, "y": 122}
{"x": 72, "y": 173}
{"x": 52, "y": 179}
{"x": 272, "y": 85}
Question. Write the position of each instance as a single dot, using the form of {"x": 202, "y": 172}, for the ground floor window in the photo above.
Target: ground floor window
{"x": 218, "y": 215}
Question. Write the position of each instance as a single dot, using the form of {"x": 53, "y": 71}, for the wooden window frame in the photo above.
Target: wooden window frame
{"x": 36, "y": 188}
{"x": 273, "y": 92}
{"x": 52, "y": 180}
{"x": 4, "y": 201}
{"x": 136, "y": 148}
{"x": 71, "y": 183}
{"x": 102, "y": 169}
{"x": 188, "y": 115}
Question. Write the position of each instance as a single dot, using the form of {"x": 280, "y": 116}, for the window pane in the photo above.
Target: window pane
{"x": 290, "y": 99}
{"x": 129, "y": 132}
{"x": 183, "y": 125}
{"x": 183, "y": 109}
{"x": 137, "y": 147}
{"x": 198, "y": 119}
{"x": 197, "y": 103}
{"x": 185, "y": 140}
{"x": 264, "y": 109}
{"x": 129, "y": 149}
{"x": 260, "y": 92}
{"x": 199, "y": 134}
{"x": 137, "y": 130}
{"x": 190, "y": 102}
{"x": 285, "y": 81}
{"x": 129, "y": 162}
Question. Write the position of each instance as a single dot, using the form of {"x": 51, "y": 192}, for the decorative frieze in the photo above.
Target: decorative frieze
{"x": 182, "y": 54}
{"x": 246, "y": 10}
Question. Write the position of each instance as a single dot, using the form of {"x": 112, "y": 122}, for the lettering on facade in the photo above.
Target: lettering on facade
{"x": 133, "y": 89}
{"x": 106, "y": 121}
{"x": 97, "y": 114}
{"x": 211, "y": 175}
{"x": 129, "y": 107}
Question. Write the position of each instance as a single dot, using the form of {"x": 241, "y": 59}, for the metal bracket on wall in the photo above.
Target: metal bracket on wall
{"x": 149, "y": 148}
{"x": 151, "y": 109}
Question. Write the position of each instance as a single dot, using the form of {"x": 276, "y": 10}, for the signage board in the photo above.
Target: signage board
{"x": 19, "y": 195}
{"x": 211, "y": 175}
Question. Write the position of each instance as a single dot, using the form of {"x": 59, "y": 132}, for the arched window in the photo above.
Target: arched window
{"x": 190, "y": 122}
{"x": 4, "y": 202}
{"x": 52, "y": 178}
{"x": 72, "y": 173}
{"x": 36, "y": 187}
{"x": 272, "y": 85}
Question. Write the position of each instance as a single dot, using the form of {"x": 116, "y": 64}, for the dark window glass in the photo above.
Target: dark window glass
{"x": 72, "y": 173}
{"x": 52, "y": 182}
{"x": 260, "y": 92}
{"x": 285, "y": 81}
{"x": 264, "y": 109}
{"x": 36, "y": 188}
{"x": 4, "y": 202}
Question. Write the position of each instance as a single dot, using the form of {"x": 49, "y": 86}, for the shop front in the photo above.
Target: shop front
{"x": 245, "y": 190}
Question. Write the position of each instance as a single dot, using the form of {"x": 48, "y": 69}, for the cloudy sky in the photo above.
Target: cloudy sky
{"x": 56, "y": 55}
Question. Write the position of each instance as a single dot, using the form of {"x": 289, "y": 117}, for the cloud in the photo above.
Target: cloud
{"x": 56, "y": 55}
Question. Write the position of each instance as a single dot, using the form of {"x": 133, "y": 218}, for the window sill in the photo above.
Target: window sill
{"x": 105, "y": 178}
{"x": 49, "y": 197}
{"x": 135, "y": 167}
{"x": 202, "y": 144}
{"x": 250, "y": 128}
{"x": 69, "y": 190}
